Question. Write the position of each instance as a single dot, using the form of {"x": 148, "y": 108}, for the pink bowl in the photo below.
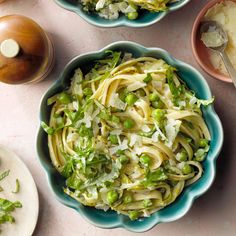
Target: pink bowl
{"x": 200, "y": 52}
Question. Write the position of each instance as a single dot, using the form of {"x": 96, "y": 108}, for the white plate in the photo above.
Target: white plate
{"x": 27, "y": 216}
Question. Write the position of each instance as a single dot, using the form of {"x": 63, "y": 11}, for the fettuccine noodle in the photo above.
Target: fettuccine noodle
{"x": 128, "y": 135}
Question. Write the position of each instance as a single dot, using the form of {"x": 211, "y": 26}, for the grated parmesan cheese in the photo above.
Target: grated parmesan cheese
{"x": 116, "y": 102}
{"x": 122, "y": 146}
{"x": 172, "y": 129}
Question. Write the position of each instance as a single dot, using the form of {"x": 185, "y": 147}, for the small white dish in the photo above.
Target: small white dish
{"x": 27, "y": 216}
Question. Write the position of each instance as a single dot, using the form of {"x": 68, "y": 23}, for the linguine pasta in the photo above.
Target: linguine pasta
{"x": 127, "y": 135}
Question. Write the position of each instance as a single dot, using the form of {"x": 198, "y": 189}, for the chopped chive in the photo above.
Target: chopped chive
{"x": 49, "y": 130}
{"x": 4, "y": 174}
{"x": 64, "y": 98}
{"x": 148, "y": 78}
{"x": 17, "y": 189}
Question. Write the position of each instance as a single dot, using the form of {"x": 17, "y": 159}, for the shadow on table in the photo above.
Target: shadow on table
{"x": 218, "y": 201}
{"x": 43, "y": 220}
{"x": 62, "y": 57}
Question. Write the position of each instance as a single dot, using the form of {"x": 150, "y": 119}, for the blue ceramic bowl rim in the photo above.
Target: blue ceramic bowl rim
{"x": 120, "y": 21}
{"x": 191, "y": 195}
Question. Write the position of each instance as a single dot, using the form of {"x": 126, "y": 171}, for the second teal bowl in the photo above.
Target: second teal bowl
{"x": 146, "y": 18}
{"x": 181, "y": 206}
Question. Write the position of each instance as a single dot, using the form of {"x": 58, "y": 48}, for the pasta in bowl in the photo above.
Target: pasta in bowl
{"x": 135, "y": 13}
{"x": 127, "y": 134}
{"x": 112, "y": 9}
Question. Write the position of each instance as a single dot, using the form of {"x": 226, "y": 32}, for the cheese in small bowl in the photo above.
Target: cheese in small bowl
{"x": 225, "y": 14}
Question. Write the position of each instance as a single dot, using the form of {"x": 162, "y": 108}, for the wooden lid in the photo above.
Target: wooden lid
{"x": 25, "y": 50}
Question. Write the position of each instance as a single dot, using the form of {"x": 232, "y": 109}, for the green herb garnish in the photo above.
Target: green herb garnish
{"x": 4, "y": 174}
{"x": 7, "y": 207}
{"x": 17, "y": 189}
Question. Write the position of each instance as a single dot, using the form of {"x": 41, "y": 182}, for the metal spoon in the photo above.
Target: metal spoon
{"x": 220, "y": 49}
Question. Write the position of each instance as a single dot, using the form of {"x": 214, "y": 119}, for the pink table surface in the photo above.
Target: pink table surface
{"x": 212, "y": 214}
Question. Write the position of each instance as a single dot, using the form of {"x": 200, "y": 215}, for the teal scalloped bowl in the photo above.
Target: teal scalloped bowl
{"x": 181, "y": 206}
{"x": 146, "y": 18}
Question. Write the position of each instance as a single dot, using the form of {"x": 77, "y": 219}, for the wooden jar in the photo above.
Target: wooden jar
{"x": 26, "y": 53}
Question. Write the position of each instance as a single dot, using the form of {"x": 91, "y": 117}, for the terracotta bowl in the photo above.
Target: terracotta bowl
{"x": 201, "y": 53}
